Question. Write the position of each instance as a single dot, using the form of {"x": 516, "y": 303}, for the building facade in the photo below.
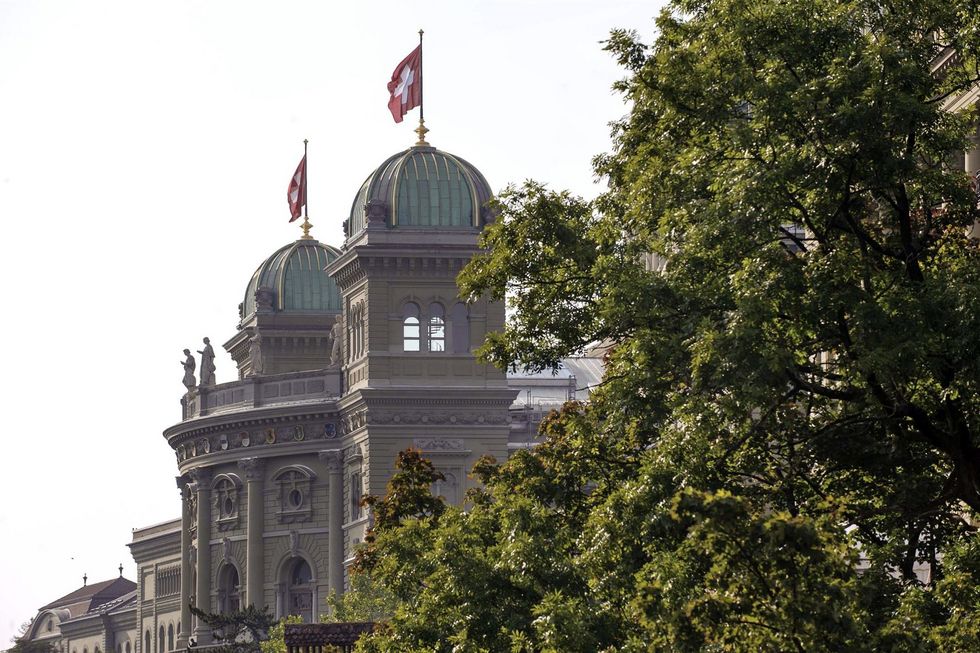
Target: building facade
{"x": 344, "y": 357}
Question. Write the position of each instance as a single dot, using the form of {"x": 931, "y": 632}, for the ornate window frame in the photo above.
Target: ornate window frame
{"x": 226, "y": 497}
{"x": 294, "y": 493}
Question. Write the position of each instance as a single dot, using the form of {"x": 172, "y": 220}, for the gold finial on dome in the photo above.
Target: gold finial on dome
{"x": 421, "y": 130}
{"x": 306, "y": 228}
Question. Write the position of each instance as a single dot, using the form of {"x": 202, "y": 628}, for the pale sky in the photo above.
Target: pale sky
{"x": 145, "y": 150}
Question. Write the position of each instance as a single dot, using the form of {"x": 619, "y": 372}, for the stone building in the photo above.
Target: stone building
{"x": 344, "y": 357}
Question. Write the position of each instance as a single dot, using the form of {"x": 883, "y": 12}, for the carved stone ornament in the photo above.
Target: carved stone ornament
{"x": 329, "y": 431}
{"x": 299, "y": 434}
{"x": 333, "y": 459}
{"x": 244, "y": 439}
{"x": 270, "y": 435}
{"x": 226, "y": 549}
{"x": 253, "y": 468}
{"x": 192, "y": 554}
{"x": 293, "y": 543}
{"x": 223, "y": 442}
{"x": 264, "y": 299}
{"x": 439, "y": 444}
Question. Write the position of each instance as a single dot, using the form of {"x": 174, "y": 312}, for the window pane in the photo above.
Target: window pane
{"x": 411, "y": 345}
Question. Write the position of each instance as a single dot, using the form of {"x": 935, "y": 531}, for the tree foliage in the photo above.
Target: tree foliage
{"x": 242, "y": 631}
{"x": 784, "y": 453}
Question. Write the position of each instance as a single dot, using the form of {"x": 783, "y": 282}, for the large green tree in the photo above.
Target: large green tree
{"x": 784, "y": 453}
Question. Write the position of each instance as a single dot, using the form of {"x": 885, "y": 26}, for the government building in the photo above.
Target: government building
{"x": 345, "y": 356}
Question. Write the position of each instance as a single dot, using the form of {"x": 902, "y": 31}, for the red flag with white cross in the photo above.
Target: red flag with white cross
{"x": 406, "y": 85}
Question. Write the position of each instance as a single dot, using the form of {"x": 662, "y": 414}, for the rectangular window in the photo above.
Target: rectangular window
{"x": 355, "y": 496}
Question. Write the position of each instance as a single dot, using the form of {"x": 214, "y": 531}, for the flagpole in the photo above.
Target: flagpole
{"x": 421, "y": 131}
{"x": 306, "y": 183}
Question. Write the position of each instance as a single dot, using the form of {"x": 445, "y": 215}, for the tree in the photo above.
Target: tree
{"x": 21, "y": 644}
{"x": 784, "y": 453}
{"x": 242, "y": 631}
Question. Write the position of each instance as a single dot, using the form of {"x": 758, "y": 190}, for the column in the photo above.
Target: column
{"x": 255, "y": 526}
{"x": 202, "y": 484}
{"x": 335, "y": 516}
{"x": 185, "y": 562}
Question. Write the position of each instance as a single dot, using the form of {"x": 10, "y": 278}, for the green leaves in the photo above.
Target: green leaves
{"x": 784, "y": 453}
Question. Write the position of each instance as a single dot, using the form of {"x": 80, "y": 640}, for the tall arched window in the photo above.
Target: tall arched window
{"x": 129, "y": 649}
{"x": 160, "y": 640}
{"x": 411, "y": 336}
{"x": 437, "y": 327}
{"x": 459, "y": 318}
{"x": 170, "y": 637}
{"x": 146, "y": 641}
{"x": 298, "y": 582}
{"x": 229, "y": 596}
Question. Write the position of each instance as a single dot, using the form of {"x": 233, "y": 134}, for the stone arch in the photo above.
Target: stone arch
{"x": 229, "y": 584}
{"x": 296, "y": 583}
{"x": 170, "y": 636}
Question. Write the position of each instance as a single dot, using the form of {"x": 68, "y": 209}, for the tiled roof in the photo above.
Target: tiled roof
{"x": 88, "y": 595}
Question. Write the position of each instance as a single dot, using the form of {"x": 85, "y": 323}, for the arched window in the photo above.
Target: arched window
{"x": 411, "y": 336}
{"x": 437, "y": 327}
{"x": 226, "y": 489}
{"x": 460, "y": 320}
{"x": 298, "y": 581}
{"x": 146, "y": 641}
{"x": 170, "y": 637}
{"x": 129, "y": 649}
{"x": 160, "y": 640}
{"x": 229, "y": 592}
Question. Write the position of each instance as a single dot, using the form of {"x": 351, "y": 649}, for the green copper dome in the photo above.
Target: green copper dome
{"x": 422, "y": 187}
{"x": 294, "y": 275}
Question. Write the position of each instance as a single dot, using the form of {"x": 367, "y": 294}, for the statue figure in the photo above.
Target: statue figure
{"x": 255, "y": 354}
{"x": 207, "y": 364}
{"x": 336, "y": 335}
{"x": 189, "y": 365}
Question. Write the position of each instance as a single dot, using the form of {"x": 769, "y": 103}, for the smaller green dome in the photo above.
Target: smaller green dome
{"x": 294, "y": 274}
{"x": 423, "y": 187}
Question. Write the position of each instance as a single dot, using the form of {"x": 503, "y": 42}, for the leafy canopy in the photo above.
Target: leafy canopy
{"x": 784, "y": 453}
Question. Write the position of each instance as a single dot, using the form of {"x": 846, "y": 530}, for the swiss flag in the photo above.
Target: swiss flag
{"x": 296, "y": 195}
{"x": 406, "y": 85}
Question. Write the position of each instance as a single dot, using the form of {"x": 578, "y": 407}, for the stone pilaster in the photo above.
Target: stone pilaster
{"x": 202, "y": 485}
{"x": 185, "y": 562}
{"x": 335, "y": 516}
{"x": 255, "y": 562}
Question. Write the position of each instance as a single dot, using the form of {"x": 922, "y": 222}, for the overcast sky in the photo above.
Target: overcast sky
{"x": 145, "y": 149}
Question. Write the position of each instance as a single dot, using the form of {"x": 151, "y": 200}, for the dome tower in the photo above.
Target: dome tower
{"x": 409, "y": 376}
{"x": 289, "y": 309}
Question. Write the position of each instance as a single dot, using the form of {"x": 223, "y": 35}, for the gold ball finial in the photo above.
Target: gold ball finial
{"x": 306, "y": 228}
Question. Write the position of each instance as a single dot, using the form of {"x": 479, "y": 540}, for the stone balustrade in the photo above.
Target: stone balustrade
{"x": 261, "y": 391}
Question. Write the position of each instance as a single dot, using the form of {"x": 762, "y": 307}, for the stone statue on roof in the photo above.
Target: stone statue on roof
{"x": 336, "y": 336}
{"x": 189, "y": 365}
{"x": 207, "y": 364}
